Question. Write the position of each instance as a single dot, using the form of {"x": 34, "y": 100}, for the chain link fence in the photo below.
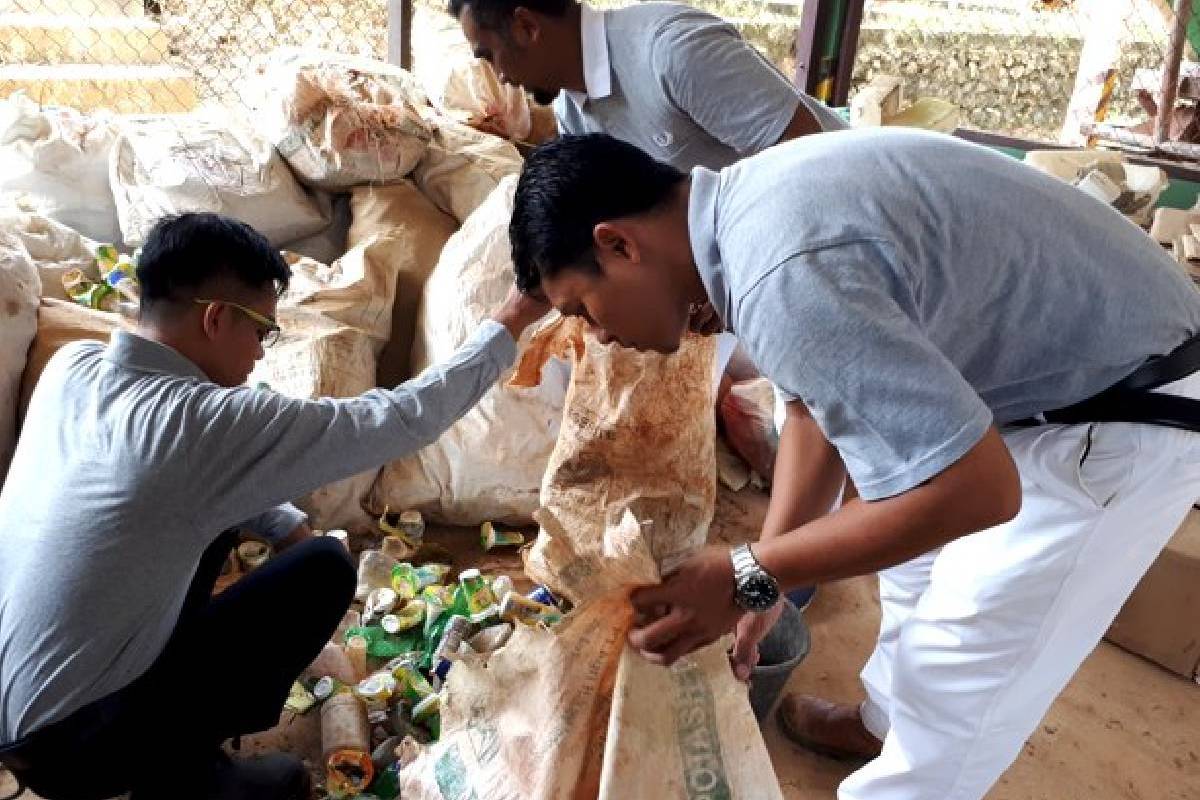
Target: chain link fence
{"x": 156, "y": 56}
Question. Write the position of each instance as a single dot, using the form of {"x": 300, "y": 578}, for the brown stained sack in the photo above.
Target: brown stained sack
{"x": 572, "y": 712}
{"x": 462, "y": 166}
{"x": 60, "y": 322}
{"x": 357, "y": 290}
{"x": 318, "y": 357}
{"x": 340, "y": 121}
{"x": 637, "y": 433}
{"x": 489, "y": 464}
{"x": 412, "y": 232}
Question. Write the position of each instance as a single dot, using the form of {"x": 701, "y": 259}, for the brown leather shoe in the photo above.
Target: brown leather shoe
{"x": 835, "y": 730}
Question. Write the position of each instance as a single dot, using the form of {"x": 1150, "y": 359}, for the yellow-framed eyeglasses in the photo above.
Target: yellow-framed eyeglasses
{"x": 268, "y": 329}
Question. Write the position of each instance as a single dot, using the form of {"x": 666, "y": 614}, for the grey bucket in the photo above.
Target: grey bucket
{"x": 779, "y": 653}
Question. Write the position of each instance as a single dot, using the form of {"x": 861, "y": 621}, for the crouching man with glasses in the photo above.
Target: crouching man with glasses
{"x": 137, "y": 462}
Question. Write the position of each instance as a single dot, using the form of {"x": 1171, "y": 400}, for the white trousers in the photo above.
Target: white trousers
{"x": 977, "y": 639}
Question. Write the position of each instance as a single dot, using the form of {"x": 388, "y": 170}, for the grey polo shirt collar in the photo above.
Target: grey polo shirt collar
{"x": 144, "y": 355}
{"x": 702, "y": 231}
{"x": 597, "y": 70}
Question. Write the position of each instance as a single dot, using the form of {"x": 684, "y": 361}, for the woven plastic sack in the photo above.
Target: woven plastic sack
{"x": 206, "y": 162}
{"x": 340, "y": 121}
{"x": 54, "y": 162}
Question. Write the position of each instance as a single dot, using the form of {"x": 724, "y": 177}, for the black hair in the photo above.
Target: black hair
{"x": 492, "y": 14}
{"x": 184, "y": 251}
{"x": 568, "y": 186}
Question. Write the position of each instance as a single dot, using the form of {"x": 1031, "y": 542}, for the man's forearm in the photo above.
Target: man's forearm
{"x": 808, "y": 478}
{"x": 979, "y": 491}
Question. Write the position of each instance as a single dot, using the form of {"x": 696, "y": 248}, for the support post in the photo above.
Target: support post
{"x": 1170, "y": 78}
{"x": 399, "y": 32}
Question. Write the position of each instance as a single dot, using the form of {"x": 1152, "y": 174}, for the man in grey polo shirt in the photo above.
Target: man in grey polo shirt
{"x": 118, "y": 670}
{"x": 679, "y": 83}
{"x": 916, "y": 297}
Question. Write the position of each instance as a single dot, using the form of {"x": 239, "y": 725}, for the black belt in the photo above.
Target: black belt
{"x": 1133, "y": 399}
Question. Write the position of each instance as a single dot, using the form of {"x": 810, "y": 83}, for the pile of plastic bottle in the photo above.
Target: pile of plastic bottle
{"x": 416, "y": 622}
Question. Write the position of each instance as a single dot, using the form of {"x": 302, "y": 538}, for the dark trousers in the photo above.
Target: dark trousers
{"x": 226, "y": 671}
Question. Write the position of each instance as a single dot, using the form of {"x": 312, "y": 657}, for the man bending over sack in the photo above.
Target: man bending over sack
{"x": 118, "y": 669}
{"x": 1004, "y": 365}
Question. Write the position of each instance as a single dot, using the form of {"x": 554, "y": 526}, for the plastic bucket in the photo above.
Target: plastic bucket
{"x": 779, "y": 653}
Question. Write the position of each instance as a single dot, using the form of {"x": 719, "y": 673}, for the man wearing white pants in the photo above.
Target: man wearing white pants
{"x": 974, "y": 645}
{"x": 1007, "y": 369}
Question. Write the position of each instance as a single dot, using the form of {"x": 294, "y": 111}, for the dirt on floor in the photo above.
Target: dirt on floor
{"x": 1124, "y": 729}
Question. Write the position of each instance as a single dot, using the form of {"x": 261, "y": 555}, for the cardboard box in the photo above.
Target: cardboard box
{"x": 1161, "y": 619}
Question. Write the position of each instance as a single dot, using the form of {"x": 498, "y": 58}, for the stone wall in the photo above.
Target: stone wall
{"x": 1019, "y": 84}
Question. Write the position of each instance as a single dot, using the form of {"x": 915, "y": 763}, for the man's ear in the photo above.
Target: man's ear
{"x": 211, "y": 320}
{"x": 614, "y": 240}
{"x": 525, "y": 28}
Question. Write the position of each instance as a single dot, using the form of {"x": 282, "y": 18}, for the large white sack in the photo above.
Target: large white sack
{"x": 54, "y": 249}
{"x": 319, "y": 357}
{"x": 340, "y": 121}
{"x": 54, "y": 162}
{"x": 463, "y": 166}
{"x": 488, "y": 465}
{"x": 466, "y": 88}
{"x": 19, "y": 290}
{"x": 206, "y": 162}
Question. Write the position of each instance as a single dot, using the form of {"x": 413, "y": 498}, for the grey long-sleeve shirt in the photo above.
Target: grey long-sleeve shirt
{"x": 129, "y": 466}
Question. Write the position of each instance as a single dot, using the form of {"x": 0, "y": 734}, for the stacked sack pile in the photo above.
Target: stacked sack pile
{"x": 391, "y": 209}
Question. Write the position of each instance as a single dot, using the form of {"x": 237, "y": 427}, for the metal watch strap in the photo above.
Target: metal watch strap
{"x": 743, "y": 561}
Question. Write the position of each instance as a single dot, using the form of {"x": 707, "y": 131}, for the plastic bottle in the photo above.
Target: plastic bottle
{"x": 345, "y": 744}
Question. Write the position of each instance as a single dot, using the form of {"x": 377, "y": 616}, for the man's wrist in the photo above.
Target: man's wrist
{"x": 755, "y": 588}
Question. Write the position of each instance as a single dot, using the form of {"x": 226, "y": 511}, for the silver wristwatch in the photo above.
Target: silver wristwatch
{"x": 755, "y": 589}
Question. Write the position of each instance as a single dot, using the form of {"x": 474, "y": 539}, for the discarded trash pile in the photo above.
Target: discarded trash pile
{"x": 378, "y": 685}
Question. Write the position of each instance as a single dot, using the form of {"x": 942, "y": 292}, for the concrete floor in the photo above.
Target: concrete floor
{"x": 1124, "y": 729}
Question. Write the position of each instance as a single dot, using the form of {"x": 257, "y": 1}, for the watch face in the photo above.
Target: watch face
{"x": 757, "y": 593}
